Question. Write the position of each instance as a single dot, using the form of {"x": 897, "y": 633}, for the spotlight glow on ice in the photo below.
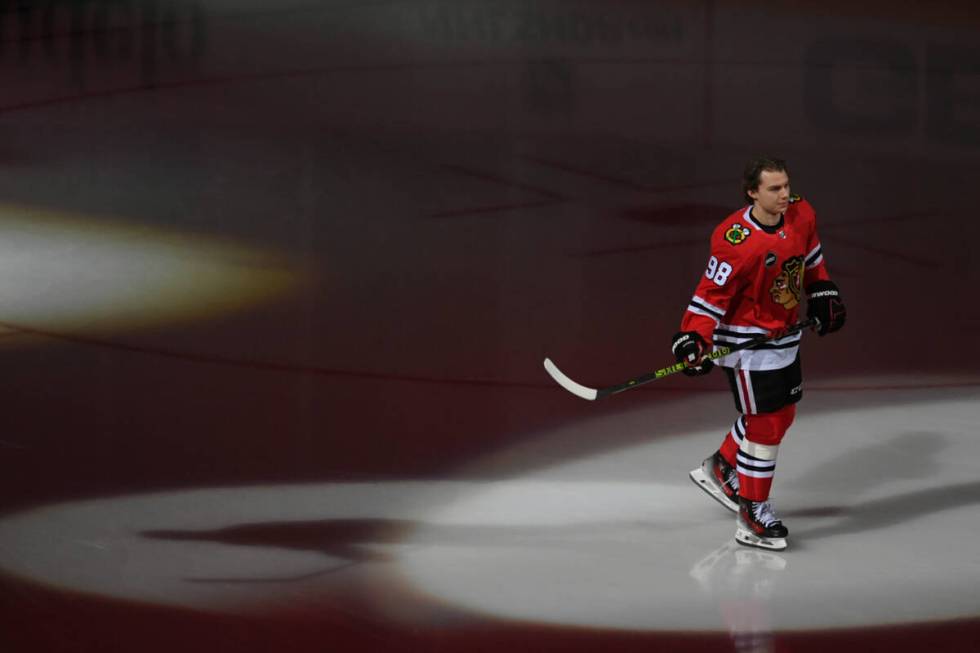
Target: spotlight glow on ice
{"x": 66, "y": 272}
{"x": 881, "y": 498}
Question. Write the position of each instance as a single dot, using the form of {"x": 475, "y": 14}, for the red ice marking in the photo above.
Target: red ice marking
{"x": 272, "y": 366}
{"x": 268, "y": 366}
{"x": 925, "y": 263}
{"x": 456, "y": 213}
{"x": 684, "y": 214}
{"x": 485, "y": 176}
{"x": 612, "y": 251}
{"x": 849, "y": 225}
{"x": 618, "y": 181}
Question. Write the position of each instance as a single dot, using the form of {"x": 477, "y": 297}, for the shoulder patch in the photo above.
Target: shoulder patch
{"x": 737, "y": 234}
{"x": 793, "y": 199}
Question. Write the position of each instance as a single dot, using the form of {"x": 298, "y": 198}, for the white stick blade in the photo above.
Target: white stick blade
{"x": 576, "y": 389}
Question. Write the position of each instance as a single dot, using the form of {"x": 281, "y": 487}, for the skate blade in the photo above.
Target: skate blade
{"x": 698, "y": 478}
{"x": 743, "y": 536}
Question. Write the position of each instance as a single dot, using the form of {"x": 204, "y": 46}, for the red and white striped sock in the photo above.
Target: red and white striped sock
{"x": 757, "y": 453}
{"x": 756, "y": 467}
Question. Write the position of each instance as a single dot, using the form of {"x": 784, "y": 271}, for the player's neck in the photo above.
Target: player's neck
{"x": 763, "y": 217}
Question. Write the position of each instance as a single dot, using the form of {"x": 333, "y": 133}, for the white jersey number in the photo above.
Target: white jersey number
{"x": 718, "y": 271}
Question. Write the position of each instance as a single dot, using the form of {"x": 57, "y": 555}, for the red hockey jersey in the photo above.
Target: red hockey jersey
{"x": 754, "y": 284}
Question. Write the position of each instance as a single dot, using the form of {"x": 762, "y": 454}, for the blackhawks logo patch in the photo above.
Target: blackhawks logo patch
{"x": 737, "y": 234}
{"x": 785, "y": 289}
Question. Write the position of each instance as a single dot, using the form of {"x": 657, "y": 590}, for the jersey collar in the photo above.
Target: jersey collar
{"x": 747, "y": 217}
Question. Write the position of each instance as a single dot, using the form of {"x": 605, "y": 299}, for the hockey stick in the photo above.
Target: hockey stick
{"x": 598, "y": 393}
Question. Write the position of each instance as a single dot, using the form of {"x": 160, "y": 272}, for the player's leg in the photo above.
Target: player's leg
{"x": 717, "y": 475}
{"x": 768, "y": 399}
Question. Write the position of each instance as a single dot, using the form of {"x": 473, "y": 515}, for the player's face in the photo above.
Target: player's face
{"x": 772, "y": 195}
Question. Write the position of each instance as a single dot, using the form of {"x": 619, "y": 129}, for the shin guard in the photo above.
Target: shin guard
{"x": 757, "y": 452}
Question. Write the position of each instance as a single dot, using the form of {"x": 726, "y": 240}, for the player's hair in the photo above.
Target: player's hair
{"x": 752, "y": 176}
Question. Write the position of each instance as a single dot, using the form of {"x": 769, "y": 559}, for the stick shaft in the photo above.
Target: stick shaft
{"x": 598, "y": 393}
{"x": 713, "y": 356}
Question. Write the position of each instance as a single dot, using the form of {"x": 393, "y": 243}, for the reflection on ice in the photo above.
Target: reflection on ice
{"x": 740, "y": 581}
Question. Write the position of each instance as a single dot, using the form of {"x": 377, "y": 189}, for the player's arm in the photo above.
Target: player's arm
{"x": 707, "y": 307}
{"x": 823, "y": 300}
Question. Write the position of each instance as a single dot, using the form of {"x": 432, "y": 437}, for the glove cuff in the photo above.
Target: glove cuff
{"x": 822, "y": 290}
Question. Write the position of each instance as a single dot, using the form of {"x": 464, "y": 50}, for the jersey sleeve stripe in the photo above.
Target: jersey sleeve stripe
{"x": 814, "y": 258}
{"x": 692, "y": 308}
{"x": 705, "y": 306}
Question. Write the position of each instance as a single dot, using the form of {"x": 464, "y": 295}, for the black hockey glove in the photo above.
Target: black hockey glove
{"x": 824, "y": 303}
{"x": 689, "y": 347}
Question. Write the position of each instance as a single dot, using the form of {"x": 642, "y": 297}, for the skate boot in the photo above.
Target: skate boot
{"x": 757, "y": 525}
{"x": 719, "y": 479}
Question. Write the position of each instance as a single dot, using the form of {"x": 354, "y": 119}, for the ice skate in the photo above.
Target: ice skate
{"x": 719, "y": 479}
{"x": 757, "y": 525}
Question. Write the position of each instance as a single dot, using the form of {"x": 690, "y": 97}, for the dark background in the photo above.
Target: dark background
{"x": 460, "y": 188}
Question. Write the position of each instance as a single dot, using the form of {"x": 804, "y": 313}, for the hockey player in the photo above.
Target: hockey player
{"x": 763, "y": 258}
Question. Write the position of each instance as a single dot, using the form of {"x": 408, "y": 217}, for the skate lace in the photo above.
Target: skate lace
{"x": 732, "y": 479}
{"x": 765, "y": 514}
